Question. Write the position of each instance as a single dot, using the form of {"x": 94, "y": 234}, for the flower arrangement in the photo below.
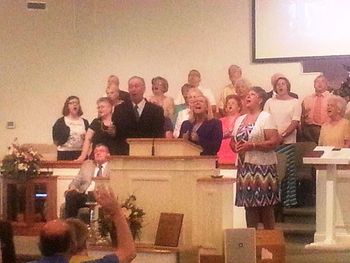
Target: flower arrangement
{"x": 134, "y": 215}
{"x": 21, "y": 162}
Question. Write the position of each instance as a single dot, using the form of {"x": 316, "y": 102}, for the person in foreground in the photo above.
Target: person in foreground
{"x": 255, "y": 137}
{"x": 56, "y": 241}
{"x": 80, "y": 235}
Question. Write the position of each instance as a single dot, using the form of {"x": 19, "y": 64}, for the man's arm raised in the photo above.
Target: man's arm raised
{"x": 126, "y": 250}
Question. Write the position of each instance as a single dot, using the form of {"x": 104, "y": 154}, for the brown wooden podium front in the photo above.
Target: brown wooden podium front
{"x": 29, "y": 202}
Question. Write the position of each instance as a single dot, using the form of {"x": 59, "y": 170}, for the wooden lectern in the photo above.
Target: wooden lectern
{"x": 175, "y": 179}
{"x": 163, "y": 147}
{"x": 332, "y": 197}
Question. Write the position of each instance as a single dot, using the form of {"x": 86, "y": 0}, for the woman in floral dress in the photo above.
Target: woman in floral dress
{"x": 255, "y": 137}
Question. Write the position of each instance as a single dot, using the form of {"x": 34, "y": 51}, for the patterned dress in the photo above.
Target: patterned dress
{"x": 289, "y": 183}
{"x": 257, "y": 185}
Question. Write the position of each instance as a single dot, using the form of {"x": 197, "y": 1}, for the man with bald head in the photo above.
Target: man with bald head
{"x": 234, "y": 73}
{"x": 113, "y": 88}
{"x": 56, "y": 241}
{"x": 137, "y": 118}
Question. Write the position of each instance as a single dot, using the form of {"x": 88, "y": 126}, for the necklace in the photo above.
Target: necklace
{"x": 105, "y": 127}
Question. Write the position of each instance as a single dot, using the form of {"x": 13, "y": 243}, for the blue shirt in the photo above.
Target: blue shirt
{"x": 112, "y": 258}
{"x": 53, "y": 259}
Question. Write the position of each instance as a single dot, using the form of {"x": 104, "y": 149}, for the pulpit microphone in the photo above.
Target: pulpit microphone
{"x": 153, "y": 150}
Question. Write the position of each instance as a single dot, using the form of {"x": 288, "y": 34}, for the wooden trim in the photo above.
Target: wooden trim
{"x": 219, "y": 180}
{"x": 227, "y": 166}
{"x": 74, "y": 164}
{"x": 60, "y": 164}
{"x": 140, "y": 247}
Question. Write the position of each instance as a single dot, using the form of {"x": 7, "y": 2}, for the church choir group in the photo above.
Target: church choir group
{"x": 247, "y": 126}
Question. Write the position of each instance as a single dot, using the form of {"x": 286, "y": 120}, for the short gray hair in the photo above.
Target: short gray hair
{"x": 80, "y": 233}
{"x": 339, "y": 102}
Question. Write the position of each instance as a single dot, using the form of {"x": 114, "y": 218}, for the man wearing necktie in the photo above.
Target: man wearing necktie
{"x": 76, "y": 196}
{"x": 314, "y": 110}
{"x": 138, "y": 118}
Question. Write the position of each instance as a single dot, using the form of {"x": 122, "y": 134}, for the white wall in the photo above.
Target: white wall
{"x": 72, "y": 47}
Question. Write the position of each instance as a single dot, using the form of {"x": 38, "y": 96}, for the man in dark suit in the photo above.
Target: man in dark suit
{"x": 138, "y": 118}
{"x": 76, "y": 194}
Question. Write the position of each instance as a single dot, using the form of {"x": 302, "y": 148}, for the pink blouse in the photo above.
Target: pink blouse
{"x": 225, "y": 154}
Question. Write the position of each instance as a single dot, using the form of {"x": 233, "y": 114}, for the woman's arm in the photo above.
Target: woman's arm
{"x": 87, "y": 143}
{"x": 211, "y": 143}
{"x": 170, "y": 107}
{"x": 271, "y": 141}
{"x": 60, "y": 132}
{"x": 290, "y": 129}
{"x": 233, "y": 144}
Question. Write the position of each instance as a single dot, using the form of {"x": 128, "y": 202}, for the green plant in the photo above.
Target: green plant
{"x": 21, "y": 162}
{"x": 134, "y": 215}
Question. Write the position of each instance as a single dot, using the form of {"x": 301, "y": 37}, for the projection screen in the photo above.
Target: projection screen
{"x": 294, "y": 30}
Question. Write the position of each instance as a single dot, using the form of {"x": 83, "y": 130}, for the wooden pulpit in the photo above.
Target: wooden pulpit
{"x": 162, "y": 147}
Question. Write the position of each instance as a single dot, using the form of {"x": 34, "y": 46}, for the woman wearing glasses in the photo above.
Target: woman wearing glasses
{"x": 69, "y": 131}
{"x": 101, "y": 130}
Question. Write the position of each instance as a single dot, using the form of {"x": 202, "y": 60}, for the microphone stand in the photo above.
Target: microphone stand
{"x": 153, "y": 150}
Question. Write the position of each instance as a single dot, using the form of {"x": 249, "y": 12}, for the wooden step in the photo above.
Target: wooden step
{"x": 296, "y": 229}
{"x": 300, "y": 211}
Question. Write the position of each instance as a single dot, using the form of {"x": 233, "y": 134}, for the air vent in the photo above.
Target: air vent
{"x": 36, "y": 5}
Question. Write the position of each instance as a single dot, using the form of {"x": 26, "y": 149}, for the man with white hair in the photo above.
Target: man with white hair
{"x": 234, "y": 73}
{"x": 138, "y": 118}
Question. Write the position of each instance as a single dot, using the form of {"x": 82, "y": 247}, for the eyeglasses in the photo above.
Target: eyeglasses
{"x": 73, "y": 102}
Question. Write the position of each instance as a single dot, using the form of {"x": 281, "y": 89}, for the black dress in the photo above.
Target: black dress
{"x": 102, "y": 136}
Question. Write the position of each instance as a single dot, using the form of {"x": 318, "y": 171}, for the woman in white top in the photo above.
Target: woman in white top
{"x": 185, "y": 113}
{"x": 254, "y": 139}
{"x": 286, "y": 112}
{"x": 68, "y": 132}
{"x": 159, "y": 87}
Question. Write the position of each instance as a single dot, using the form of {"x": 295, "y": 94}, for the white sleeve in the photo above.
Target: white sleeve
{"x": 267, "y": 106}
{"x": 269, "y": 122}
{"x": 210, "y": 96}
{"x": 296, "y": 111}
